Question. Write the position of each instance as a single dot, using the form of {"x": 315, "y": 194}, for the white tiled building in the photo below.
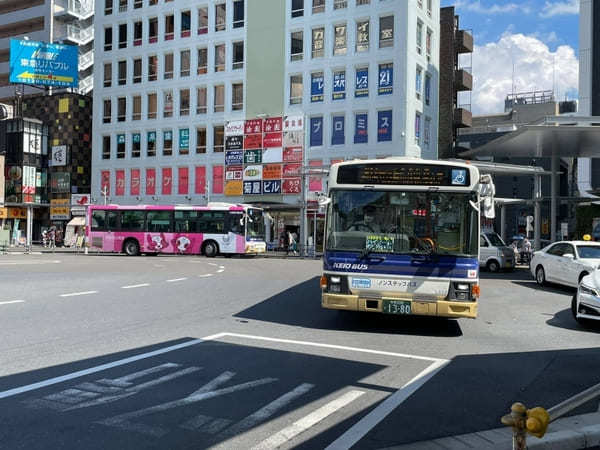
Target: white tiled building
{"x": 170, "y": 74}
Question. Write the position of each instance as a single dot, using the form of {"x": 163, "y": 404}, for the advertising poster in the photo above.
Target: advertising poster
{"x": 253, "y": 173}
{"x": 218, "y": 182}
{"x": 293, "y": 138}
{"x": 234, "y": 157}
{"x": 134, "y": 187}
{"x": 315, "y": 184}
{"x": 184, "y": 139}
{"x": 271, "y": 187}
{"x": 233, "y": 173}
{"x": 234, "y": 187}
{"x": 384, "y": 126}
{"x": 234, "y": 128}
{"x": 183, "y": 180}
{"x": 339, "y": 86}
{"x": 60, "y": 209}
{"x": 316, "y": 131}
{"x": 253, "y": 126}
{"x": 271, "y": 172}
{"x": 105, "y": 182}
{"x": 78, "y": 202}
{"x": 272, "y": 155}
{"x": 234, "y": 142}
{"x": 40, "y": 63}
{"x": 272, "y": 140}
{"x": 252, "y": 141}
{"x": 60, "y": 182}
{"x": 360, "y": 129}
{"x": 200, "y": 186}
{"x": 167, "y": 180}
{"x": 150, "y": 181}
{"x": 337, "y": 134}
{"x": 293, "y": 123}
{"x": 252, "y": 187}
{"x": 361, "y": 88}
{"x": 120, "y": 182}
{"x": 59, "y": 156}
{"x": 386, "y": 79}
{"x": 291, "y": 186}
{"x": 253, "y": 156}
{"x": 273, "y": 124}
{"x": 292, "y": 154}
{"x": 291, "y": 170}
{"x": 317, "y": 88}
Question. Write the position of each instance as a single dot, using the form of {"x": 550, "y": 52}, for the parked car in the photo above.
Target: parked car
{"x": 565, "y": 262}
{"x": 586, "y": 302}
{"x": 494, "y": 254}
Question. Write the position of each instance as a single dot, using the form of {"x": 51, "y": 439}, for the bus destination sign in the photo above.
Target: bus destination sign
{"x": 404, "y": 175}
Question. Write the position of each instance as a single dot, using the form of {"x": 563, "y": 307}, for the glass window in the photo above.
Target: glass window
{"x": 186, "y": 221}
{"x": 121, "y": 109}
{"x": 159, "y": 221}
{"x": 152, "y": 68}
{"x": 418, "y": 82}
{"x": 220, "y": 17}
{"x": 137, "y": 107}
{"x": 220, "y": 58}
{"x": 339, "y": 43}
{"x": 219, "y": 98}
{"x": 362, "y": 2}
{"x": 427, "y": 131}
{"x": 237, "y": 96}
{"x": 107, "y": 74}
{"x": 238, "y": 14}
{"x": 202, "y": 61}
{"x": 184, "y": 102}
{"x": 112, "y": 220}
{"x": 184, "y": 63}
{"x": 169, "y": 27}
{"x": 318, "y": 6}
{"x": 105, "y": 147}
{"x": 429, "y": 8}
{"x": 137, "y": 4}
{"x": 419, "y": 37}
{"x": 201, "y": 140}
{"x": 152, "y": 105}
{"x": 120, "y": 146}
{"x": 123, "y": 35}
{"x": 108, "y": 7}
{"x": 153, "y": 30}
{"x": 203, "y": 20}
{"x": 107, "y": 111}
{"x": 186, "y": 23}
{"x": 122, "y": 70}
{"x": 238, "y": 55}
{"x": 151, "y": 143}
{"x": 98, "y": 220}
{"x": 168, "y": 66}
{"x": 428, "y": 42}
{"x": 122, "y": 5}
{"x": 168, "y": 104}
{"x": 218, "y": 139}
{"x": 362, "y": 36}
{"x": 167, "y": 143}
{"x": 132, "y": 220}
{"x": 137, "y": 33}
{"x": 417, "y": 127}
{"x": 340, "y": 4}
{"x": 297, "y": 46}
{"x": 427, "y": 89}
{"x": 211, "y": 221}
{"x": 296, "y": 89}
{"x": 589, "y": 251}
{"x": 318, "y": 42}
{"x": 201, "y": 100}
{"x": 137, "y": 70}
{"x": 297, "y": 8}
{"x": 386, "y": 31}
{"x": 136, "y": 145}
{"x": 108, "y": 39}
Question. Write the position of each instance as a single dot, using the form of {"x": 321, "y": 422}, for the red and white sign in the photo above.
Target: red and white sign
{"x": 292, "y": 154}
{"x": 234, "y": 128}
{"x": 234, "y": 173}
{"x": 291, "y": 170}
{"x": 182, "y": 180}
{"x": 217, "y": 186}
{"x": 271, "y": 172}
{"x": 273, "y": 124}
{"x": 134, "y": 186}
{"x": 150, "y": 181}
{"x": 291, "y": 186}
{"x": 252, "y": 141}
{"x": 272, "y": 140}
{"x": 200, "y": 180}
{"x": 105, "y": 182}
{"x": 167, "y": 180}
{"x": 293, "y": 123}
{"x": 315, "y": 184}
{"x": 253, "y": 126}
{"x": 120, "y": 187}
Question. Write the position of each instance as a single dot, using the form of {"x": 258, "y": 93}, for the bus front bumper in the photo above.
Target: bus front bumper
{"x": 439, "y": 308}
{"x": 255, "y": 248}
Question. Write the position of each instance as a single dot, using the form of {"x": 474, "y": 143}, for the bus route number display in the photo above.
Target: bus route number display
{"x": 403, "y": 174}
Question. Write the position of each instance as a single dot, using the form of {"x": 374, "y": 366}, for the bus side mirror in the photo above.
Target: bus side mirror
{"x": 323, "y": 201}
{"x": 487, "y": 190}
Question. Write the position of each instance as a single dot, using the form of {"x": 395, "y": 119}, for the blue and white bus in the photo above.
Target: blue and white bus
{"x": 402, "y": 237}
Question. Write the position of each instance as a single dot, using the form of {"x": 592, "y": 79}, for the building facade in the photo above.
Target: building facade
{"x": 169, "y": 76}
{"x": 64, "y": 21}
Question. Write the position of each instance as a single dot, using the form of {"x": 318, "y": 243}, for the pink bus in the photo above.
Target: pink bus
{"x": 219, "y": 228}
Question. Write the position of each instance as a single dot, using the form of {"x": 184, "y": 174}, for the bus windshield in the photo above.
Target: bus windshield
{"x": 255, "y": 224}
{"x": 403, "y": 222}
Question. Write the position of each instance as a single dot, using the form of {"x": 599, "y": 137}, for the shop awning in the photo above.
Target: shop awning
{"x": 77, "y": 222}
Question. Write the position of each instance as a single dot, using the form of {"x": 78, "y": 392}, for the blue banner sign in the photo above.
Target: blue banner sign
{"x": 316, "y": 131}
{"x": 360, "y": 129}
{"x": 386, "y": 79}
{"x": 384, "y": 126}
{"x": 272, "y": 187}
{"x": 33, "y": 62}
{"x": 337, "y": 135}
{"x": 184, "y": 138}
{"x": 361, "y": 88}
{"x": 339, "y": 85}
{"x": 316, "y": 88}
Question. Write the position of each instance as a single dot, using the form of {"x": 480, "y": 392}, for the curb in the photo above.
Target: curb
{"x": 569, "y": 433}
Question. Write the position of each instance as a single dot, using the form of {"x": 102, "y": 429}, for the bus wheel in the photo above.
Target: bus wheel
{"x": 211, "y": 249}
{"x": 131, "y": 247}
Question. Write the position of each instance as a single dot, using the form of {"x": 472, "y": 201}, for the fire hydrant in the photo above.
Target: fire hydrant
{"x": 522, "y": 420}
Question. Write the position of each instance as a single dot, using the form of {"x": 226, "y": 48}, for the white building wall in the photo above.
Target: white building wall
{"x": 584, "y": 165}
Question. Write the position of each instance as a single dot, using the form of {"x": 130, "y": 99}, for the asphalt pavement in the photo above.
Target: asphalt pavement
{"x": 106, "y": 351}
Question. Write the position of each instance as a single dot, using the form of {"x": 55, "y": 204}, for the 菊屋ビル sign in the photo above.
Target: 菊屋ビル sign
{"x": 41, "y": 63}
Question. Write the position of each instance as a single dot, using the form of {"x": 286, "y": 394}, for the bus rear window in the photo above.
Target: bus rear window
{"x": 98, "y": 220}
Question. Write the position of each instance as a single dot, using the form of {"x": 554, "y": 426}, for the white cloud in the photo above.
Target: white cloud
{"x": 534, "y": 65}
{"x": 552, "y": 9}
{"x": 494, "y": 8}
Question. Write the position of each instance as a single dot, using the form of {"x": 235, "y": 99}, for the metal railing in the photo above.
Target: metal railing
{"x": 86, "y": 84}
{"x": 80, "y": 35}
{"x": 76, "y": 8}
{"x": 535, "y": 421}
{"x": 86, "y": 60}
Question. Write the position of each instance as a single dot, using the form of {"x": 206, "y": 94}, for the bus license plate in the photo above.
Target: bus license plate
{"x": 396, "y": 307}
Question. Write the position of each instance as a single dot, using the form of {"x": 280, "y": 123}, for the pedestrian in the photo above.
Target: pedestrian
{"x": 295, "y": 242}
{"x": 52, "y": 238}
{"x": 45, "y": 238}
{"x": 527, "y": 250}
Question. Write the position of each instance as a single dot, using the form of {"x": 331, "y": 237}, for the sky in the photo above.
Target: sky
{"x": 539, "y": 38}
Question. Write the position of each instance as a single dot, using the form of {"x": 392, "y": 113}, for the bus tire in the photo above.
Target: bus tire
{"x": 493, "y": 266}
{"x": 210, "y": 249}
{"x": 131, "y": 247}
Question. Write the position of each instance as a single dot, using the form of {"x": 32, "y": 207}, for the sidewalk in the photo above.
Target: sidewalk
{"x": 568, "y": 433}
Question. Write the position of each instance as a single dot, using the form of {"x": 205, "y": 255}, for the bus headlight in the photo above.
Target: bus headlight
{"x": 335, "y": 284}
{"x": 463, "y": 292}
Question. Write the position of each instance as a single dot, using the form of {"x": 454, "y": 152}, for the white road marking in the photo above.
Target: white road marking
{"x": 12, "y": 301}
{"x": 288, "y": 433}
{"x": 21, "y": 263}
{"x": 73, "y": 294}
{"x": 206, "y": 275}
{"x": 176, "y": 279}
{"x": 206, "y": 424}
{"x": 120, "y": 362}
{"x": 159, "y": 265}
{"x": 133, "y": 286}
{"x": 367, "y": 423}
{"x": 222, "y": 267}
{"x": 213, "y": 264}
{"x": 220, "y": 270}
{"x": 265, "y": 412}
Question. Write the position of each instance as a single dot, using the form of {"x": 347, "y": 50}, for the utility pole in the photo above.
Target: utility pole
{"x": 303, "y": 206}
{"x": 104, "y": 194}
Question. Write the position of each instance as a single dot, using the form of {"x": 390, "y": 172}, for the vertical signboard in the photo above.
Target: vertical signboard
{"x": 384, "y": 126}
{"x": 167, "y": 180}
{"x": 78, "y": 202}
{"x": 150, "y": 181}
{"x": 361, "y": 129}
{"x": 316, "y": 87}
{"x": 361, "y": 88}
{"x": 134, "y": 187}
{"x": 337, "y": 133}
{"x": 120, "y": 182}
{"x": 182, "y": 180}
{"x": 339, "y": 85}
{"x": 386, "y": 79}
{"x": 200, "y": 183}
{"x": 316, "y": 131}
{"x": 105, "y": 182}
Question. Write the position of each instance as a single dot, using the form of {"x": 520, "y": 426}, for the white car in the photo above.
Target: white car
{"x": 565, "y": 262}
{"x": 586, "y": 302}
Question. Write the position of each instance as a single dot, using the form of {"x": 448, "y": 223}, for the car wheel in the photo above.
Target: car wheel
{"x": 211, "y": 249}
{"x": 132, "y": 248}
{"x": 493, "y": 266}
{"x": 540, "y": 276}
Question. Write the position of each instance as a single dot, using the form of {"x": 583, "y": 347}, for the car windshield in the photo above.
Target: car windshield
{"x": 402, "y": 222}
{"x": 255, "y": 224}
{"x": 589, "y": 251}
{"x": 495, "y": 240}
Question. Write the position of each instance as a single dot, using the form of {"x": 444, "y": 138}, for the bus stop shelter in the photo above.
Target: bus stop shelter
{"x": 555, "y": 138}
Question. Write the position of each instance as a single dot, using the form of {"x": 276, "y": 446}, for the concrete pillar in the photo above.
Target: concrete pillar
{"x": 537, "y": 212}
{"x": 554, "y": 197}
{"x": 503, "y": 222}
{"x": 29, "y": 227}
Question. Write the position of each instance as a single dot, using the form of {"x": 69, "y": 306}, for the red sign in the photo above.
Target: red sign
{"x": 291, "y": 170}
{"x": 335, "y": 161}
{"x": 167, "y": 180}
{"x": 252, "y": 141}
{"x": 273, "y": 124}
{"x": 217, "y": 186}
{"x": 105, "y": 182}
{"x": 120, "y": 187}
{"x": 150, "y": 181}
{"x": 271, "y": 172}
{"x": 314, "y": 183}
{"x": 200, "y": 180}
{"x": 292, "y": 186}
{"x": 182, "y": 180}
{"x": 272, "y": 140}
{"x": 292, "y": 154}
{"x": 134, "y": 187}
{"x": 234, "y": 173}
{"x": 253, "y": 126}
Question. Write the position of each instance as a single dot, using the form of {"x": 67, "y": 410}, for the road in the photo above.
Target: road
{"x": 106, "y": 351}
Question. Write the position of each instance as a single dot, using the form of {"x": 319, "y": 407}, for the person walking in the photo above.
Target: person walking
{"x": 527, "y": 250}
{"x": 52, "y": 238}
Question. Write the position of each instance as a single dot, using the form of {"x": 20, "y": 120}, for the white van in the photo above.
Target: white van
{"x": 494, "y": 254}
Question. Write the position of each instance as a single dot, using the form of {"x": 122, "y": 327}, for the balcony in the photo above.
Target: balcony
{"x": 463, "y": 80}
{"x": 86, "y": 84}
{"x": 80, "y": 10}
{"x": 86, "y": 60}
{"x": 462, "y": 118}
{"x": 464, "y": 42}
{"x": 79, "y": 36}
